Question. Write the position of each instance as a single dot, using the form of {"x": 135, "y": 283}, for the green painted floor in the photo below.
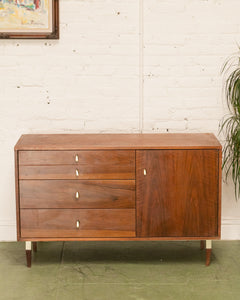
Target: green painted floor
{"x": 120, "y": 270}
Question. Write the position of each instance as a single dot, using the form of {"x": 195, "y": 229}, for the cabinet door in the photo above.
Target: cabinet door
{"x": 177, "y": 193}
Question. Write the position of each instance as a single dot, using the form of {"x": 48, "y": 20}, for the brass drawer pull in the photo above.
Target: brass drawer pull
{"x": 78, "y": 224}
{"x": 144, "y": 172}
{"x": 77, "y": 195}
{"x": 77, "y": 172}
{"x": 76, "y": 158}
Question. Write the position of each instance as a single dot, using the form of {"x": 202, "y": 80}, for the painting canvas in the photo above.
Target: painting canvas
{"x": 29, "y": 19}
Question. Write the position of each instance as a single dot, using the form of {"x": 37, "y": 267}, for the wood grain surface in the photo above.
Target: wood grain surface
{"x": 91, "y": 193}
{"x": 90, "y": 165}
{"x": 178, "y": 199}
{"x": 98, "y": 158}
{"x": 16, "y": 162}
{"x": 84, "y": 172}
{"x": 62, "y": 223}
{"x": 179, "y": 194}
{"x": 134, "y": 238}
{"x": 117, "y": 141}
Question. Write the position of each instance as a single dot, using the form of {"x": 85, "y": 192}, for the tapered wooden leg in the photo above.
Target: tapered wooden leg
{"x": 208, "y": 256}
{"x": 208, "y": 252}
{"x": 34, "y": 246}
{"x": 29, "y": 258}
{"x": 202, "y": 244}
{"x": 28, "y": 247}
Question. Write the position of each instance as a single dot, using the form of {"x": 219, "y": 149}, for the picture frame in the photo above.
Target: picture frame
{"x": 29, "y": 19}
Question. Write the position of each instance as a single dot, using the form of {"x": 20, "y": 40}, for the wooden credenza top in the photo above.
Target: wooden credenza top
{"x": 117, "y": 141}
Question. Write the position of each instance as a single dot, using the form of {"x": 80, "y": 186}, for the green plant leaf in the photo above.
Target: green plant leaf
{"x": 230, "y": 124}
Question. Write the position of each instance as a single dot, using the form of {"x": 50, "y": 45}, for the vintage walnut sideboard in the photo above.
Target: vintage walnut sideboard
{"x": 118, "y": 187}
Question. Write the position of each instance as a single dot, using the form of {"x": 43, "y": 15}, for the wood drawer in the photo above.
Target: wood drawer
{"x": 60, "y": 223}
{"x": 77, "y": 194}
{"x": 73, "y": 172}
{"x": 101, "y": 158}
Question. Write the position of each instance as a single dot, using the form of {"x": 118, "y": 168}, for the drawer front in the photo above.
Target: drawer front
{"x": 60, "y": 223}
{"x": 77, "y": 194}
{"x": 76, "y": 172}
{"x": 98, "y": 158}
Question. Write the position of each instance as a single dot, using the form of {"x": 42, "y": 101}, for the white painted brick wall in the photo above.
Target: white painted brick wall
{"x": 88, "y": 81}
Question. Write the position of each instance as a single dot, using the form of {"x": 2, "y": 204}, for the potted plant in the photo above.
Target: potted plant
{"x": 230, "y": 125}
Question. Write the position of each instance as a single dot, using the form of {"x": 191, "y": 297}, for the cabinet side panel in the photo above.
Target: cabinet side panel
{"x": 219, "y": 190}
{"x": 17, "y": 194}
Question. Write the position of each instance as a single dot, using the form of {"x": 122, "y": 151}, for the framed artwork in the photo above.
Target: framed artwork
{"x": 29, "y": 19}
